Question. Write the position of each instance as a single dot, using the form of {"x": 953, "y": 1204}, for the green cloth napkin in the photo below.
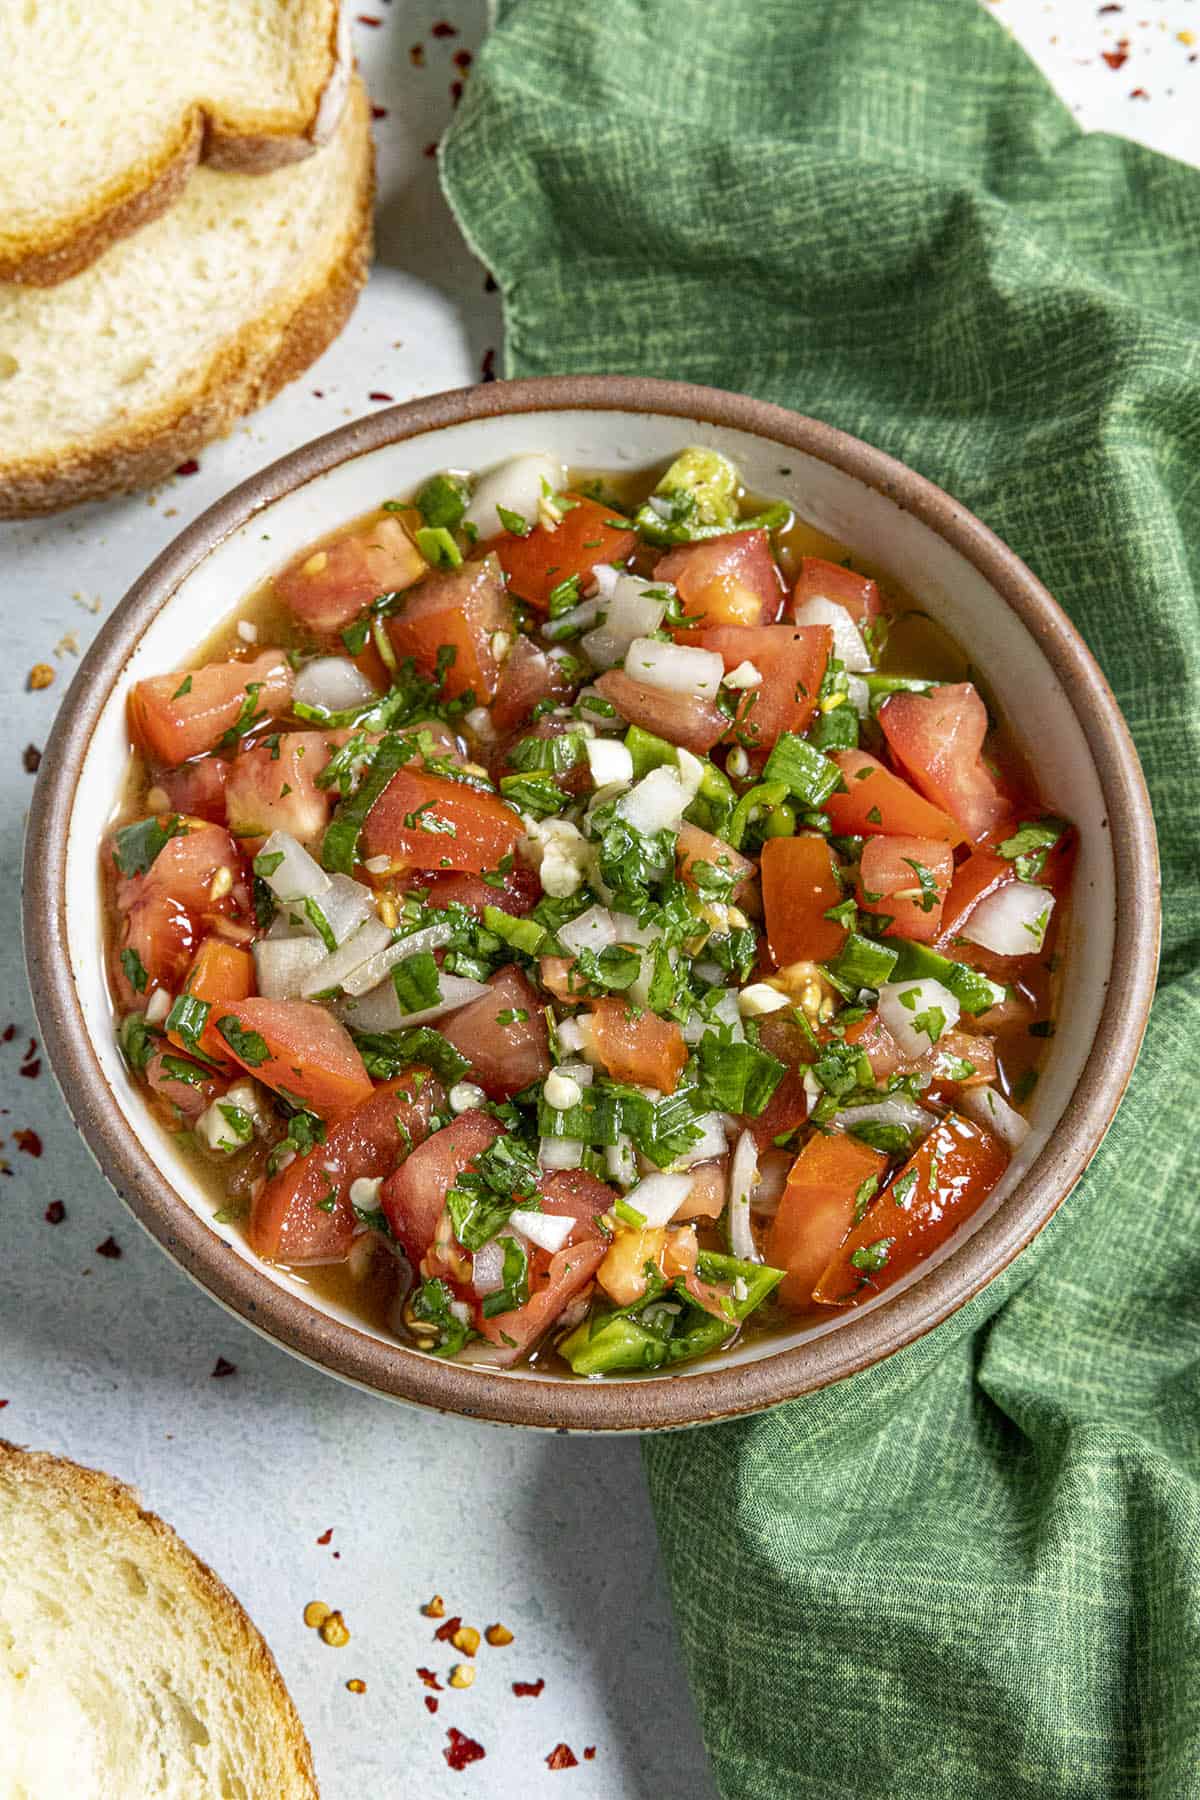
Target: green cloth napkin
{"x": 974, "y": 1570}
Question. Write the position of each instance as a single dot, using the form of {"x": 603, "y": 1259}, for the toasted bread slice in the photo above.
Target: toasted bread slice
{"x": 111, "y": 380}
{"x": 109, "y": 105}
{"x": 126, "y": 1667}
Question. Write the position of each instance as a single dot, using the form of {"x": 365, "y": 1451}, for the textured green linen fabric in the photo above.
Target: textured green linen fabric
{"x": 972, "y": 1570}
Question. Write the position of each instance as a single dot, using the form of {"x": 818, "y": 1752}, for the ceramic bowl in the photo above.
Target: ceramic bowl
{"x": 1040, "y": 673}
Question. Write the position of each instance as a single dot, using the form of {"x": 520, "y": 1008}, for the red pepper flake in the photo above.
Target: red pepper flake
{"x": 325, "y": 1535}
{"x": 1139, "y": 94}
{"x": 562, "y": 1757}
{"x": 3, "y": 1404}
{"x": 380, "y": 396}
{"x": 456, "y": 92}
{"x": 32, "y": 1069}
{"x": 221, "y": 1368}
{"x": 445, "y": 1632}
{"x": 379, "y": 112}
{"x": 190, "y": 467}
{"x": 490, "y": 284}
{"x": 461, "y": 1749}
{"x": 109, "y": 1248}
{"x": 28, "y": 1141}
{"x": 8, "y": 1034}
{"x": 55, "y": 1213}
{"x": 416, "y": 55}
{"x": 532, "y": 1688}
{"x": 430, "y": 1679}
{"x": 462, "y": 59}
{"x": 431, "y": 1704}
{"x": 430, "y": 149}
{"x": 31, "y": 759}
{"x": 1116, "y": 58}
{"x": 369, "y": 19}
{"x": 1110, "y": 9}
{"x": 488, "y": 366}
{"x": 589, "y": 1754}
{"x": 442, "y": 29}
{"x": 318, "y": 393}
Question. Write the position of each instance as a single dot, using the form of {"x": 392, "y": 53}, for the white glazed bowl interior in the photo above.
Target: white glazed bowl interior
{"x": 951, "y": 588}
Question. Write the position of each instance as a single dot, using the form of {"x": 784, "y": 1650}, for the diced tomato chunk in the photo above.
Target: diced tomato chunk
{"x": 554, "y": 1280}
{"x": 799, "y": 885}
{"x": 980, "y": 875}
{"x": 528, "y": 676}
{"x": 873, "y": 1037}
{"x": 221, "y": 972}
{"x": 329, "y": 587}
{"x": 706, "y": 1197}
{"x": 686, "y": 719}
{"x": 539, "y": 562}
{"x": 174, "y": 717}
{"x": 960, "y": 1059}
{"x": 817, "y": 1210}
{"x": 197, "y": 788}
{"x": 575, "y": 780}
{"x": 947, "y": 1179}
{"x": 190, "y": 1092}
{"x": 638, "y": 1047}
{"x": 791, "y": 660}
{"x": 272, "y": 787}
{"x": 519, "y": 894}
{"x": 696, "y": 846}
{"x": 875, "y": 800}
{"x": 504, "y": 1034}
{"x": 463, "y": 610}
{"x": 427, "y": 822}
{"x": 821, "y": 580}
{"x": 168, "y": 908}
{"x": 413, "y": 1197}
{"x": 908, "y": 879}
{"x": 299, "y": 1049}
{"x": 292, "y": 1219}
{"x": 729, "y": 580}
{"x": 937, "y": 738}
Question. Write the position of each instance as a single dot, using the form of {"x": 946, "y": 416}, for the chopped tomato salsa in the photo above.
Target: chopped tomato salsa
{"x": 557, "y": 916}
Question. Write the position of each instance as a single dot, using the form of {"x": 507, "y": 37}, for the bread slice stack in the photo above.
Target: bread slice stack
{"x": 185, "y": 223}
{"x": 126, "y": 1667}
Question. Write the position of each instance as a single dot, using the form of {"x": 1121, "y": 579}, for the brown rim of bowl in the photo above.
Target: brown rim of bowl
{"x": 722, "y": 1391}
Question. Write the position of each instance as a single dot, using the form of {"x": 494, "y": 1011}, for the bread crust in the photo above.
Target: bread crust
{"x": 140, "y": 194}
{"x": 242, "y": 374}
{"x": 74, "y": 1487}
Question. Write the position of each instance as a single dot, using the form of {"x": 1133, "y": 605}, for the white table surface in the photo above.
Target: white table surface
{"x": 110, "y": 1361}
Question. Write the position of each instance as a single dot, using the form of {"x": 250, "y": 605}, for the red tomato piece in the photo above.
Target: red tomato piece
{"x": 947, "y": 1179}
{"x": 291, "y": 1219}
{"x": 462, "y": 609}
{"x": 504, "y": 1034}
{"x": 686, "y": 719}
{"x": 799, "y": 885}
{"x": 174, "y": 717}
{"x": 575, "y": 780}
{"x": 519, "y": 895}
{"x": 696, "y": 846}
{"x": 220, "y": 973}
{"x": 537, "y": 563}
{"x": 706, "y": 1198}
{"x": 169, "y": 906}
{"x": 821, "y": 580}
{"x": 528, "y": 675}
{"x": 413, "y": 1197}
{"x": 960, "y": 1059}
{"x": 937, "y": 738}
{"x": 817, "y": 1210}
{"x": 730, "y": 580}
{"x": 409, "y": 823}
{"x": 907, "y": 878}
{"x": 272, "y": 787}
{"x": 197, "y": 788}
{"x": 791, "y": 660}
{"x": 190, "y": 1096}
{"x": 554, "y": 1280}
{"x": 642, "y": 1049}
{"x": 875, "y": 800}
{"x": 300, "y": 1050}
{"x": 327, "y": 588}
{"x": 981, "y": 874}
{"x": 882, "y": 1050}
{"x": 787, "y": 1108}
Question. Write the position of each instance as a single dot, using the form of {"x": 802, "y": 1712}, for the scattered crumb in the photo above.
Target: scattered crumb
{"x": 190, "y": 467}
{"x": 466, "y": 1639}
{"x": 29, "y": 1142}
{"x": 354, "y": 1686}
{"x": 334, "y": 1631}
{"x": 562, "y": 1757}
{"x": 316, "y": 1613}
{"x": 590, "y": 1753}
{"x": 461, "y": 1749}
{"x": 430, "y": 1679}
{"x": 445, "y": 1633}
{"x": 109, "y": 1248}
{"x": 380, "y": 396}
{"x": 326, "y": 1535}
{"x": 435, "y": 1608}
{"x": 431, "y": 1704}
{"x": 416, "y": 55}
{"x": 67, "y": 645}
{"x": 444, "y": 30}
{"x": 529, "y": 1688}
{"x": 55, "y": 1213}
{"x": 40, "y": 676}
{"x": 222, "y": 1368}
{"x": 498, "y": 1634}
{"x": 31, "y": 759}
{"x": 462, "y": 1675}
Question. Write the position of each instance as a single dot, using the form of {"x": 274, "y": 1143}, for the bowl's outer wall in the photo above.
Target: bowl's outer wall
{"x": 982, "y": 591}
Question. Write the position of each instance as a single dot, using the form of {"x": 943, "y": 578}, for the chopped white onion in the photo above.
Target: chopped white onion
{"x": 158, "y": 1006}
{"x": 659, "y": 1197}
{"x": 605, "y": 579}
{"x": 561, "y": 1091}
{"x": 298, "y": 876}
{"x": 576, "y": 618}
{"x": 848, "y": 642}
{"x": 337, "y": 969}
{"x": 710, "y": 1144}
{"x": 610, "y": 762}
{"x": 380, "y": 1010}
{"x": 632, "y": 610}
{"x": 902, "y": 1003}
{"x": 894, "y": 1109}
{"x": 282, "y": 965}
{"x": 655, "y": 804}
{"x": 744, "y": 676}
{"x": 1012, "y": 921}
{"x": 332, "y": 682}
{"x": 743, "y": 1179}
{"x": 368, "y": 974}
{"x": 487, "y": 1271}
{"x": 364, "y": 1191}
{"x": 343, "y": 906}
{"x": 605, "y": 720}
{"x": 760, "y": 998}
{"x": 860, "y": 695}
{"x": 561, "y": 1153}
{"x": 594, "y": 929}
{"x": 988, "y": 1107}
{"x": 465, "y": 1096}
{"x": 569, "y": 1034}
{"x": 674, "y": 668}
{"x": 620, "y": 1162}
{"x": 549, "y": 1231}
{"x": 517, "y": 487}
